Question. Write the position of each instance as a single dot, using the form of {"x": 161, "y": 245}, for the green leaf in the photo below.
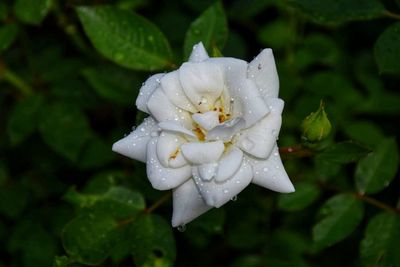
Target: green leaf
{"x": 278, "y": 34}
{"x": 357, "y": 129}
{"x": 119, "y": 202}
{"x": 95, "y": 153}
{"x": 89, "y": 238}
{"x": 126, "y": 38}
{"x": 3, "y": 10}
{"x": 210, "y": 28}
{"x": 64, "y": 128}
{"x": 152, "y": 242}
{"x": 377, "y": 170}
{"x": 339, "y": 11}
{"x": 32, "y": 12}
{"x": 344, "y": 152}
{"x": 387, "y": 49}
{"x": 112, "y": 83}
{"x": 7, "y": 36}
{"x": 305, "y": 194}
{"x": 61, "y": 261}
{"x": 24, "y": 118}
{"x": 381, "y": 243}
{"x": 339, "y": 216}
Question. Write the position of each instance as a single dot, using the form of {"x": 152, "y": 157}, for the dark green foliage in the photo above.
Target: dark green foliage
{"x": 70, "y": 72}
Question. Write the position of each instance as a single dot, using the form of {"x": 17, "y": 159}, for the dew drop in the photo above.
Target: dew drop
{"x": 234, "y": 198}
{"x": 182, "y": 228}
{"x": 265, "y": 169}
{"x": 226, "y": 191}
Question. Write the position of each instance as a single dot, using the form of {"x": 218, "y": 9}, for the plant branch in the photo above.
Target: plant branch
{"x": 391, "y": 15}
{"x": 295, "y": 151}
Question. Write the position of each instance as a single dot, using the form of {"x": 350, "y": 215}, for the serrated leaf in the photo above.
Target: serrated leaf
{"x": 210, "y": 28}
{"x": 305, "y": 194}
{"x": 24, "y": 118}
{"x": 377, "y": 169}
{"x": 64, "y": 128}
{"x": 113, "y": 83}
{"x": 152, "y": 242}
{"x": 126, "y": 38}
{"x": 89, "y": 238}
{"x": 344, "y": 152}
{"x": 32, "y": 12}
{"x": 381, "y": 243}
{"x": 7, "y": 36}
{"x": 387, "y": 49}
{"x": 339, "y": 11}
{"x": 340, "y": 215}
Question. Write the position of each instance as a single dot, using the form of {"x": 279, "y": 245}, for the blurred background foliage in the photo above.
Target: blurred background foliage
{"x": 70, "y": 72}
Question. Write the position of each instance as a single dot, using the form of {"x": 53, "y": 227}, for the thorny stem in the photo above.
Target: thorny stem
{"x": 150, "y": 209}
{"x": 391, "y": 15}
{"x": 295, "y": 151}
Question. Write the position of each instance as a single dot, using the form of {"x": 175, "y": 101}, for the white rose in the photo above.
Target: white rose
{"x": 212, "y": 129}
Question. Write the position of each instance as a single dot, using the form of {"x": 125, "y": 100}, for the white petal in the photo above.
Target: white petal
{"x": 261, "y": 138}
{"x": 188, "y": 204}
{"x": 202, "y": 83}
{"x": 202, "y": 153}
{"x": 134, "y": 145}
{"x": 168, "y": 150}
{"x": 206, "y": 120}
{"x": 235, "y": 72}
{"x": 253, "y": 105}
{"x": 162, "y": 178}
{"x": 262, "y": 70}
{"x": 226, "y": 130}
{"x": 199, "y": 53}
{"x": 175, "y": 127}
{"x": 271, "y": 174}
{"x": 146, "y": 90}
{"x": 172, "y": 88}
{"x": 217, "y": 194}
{"x": 163, "y": 110}
{"x": 229, "y": 164}
{"x": 207, "y": 171}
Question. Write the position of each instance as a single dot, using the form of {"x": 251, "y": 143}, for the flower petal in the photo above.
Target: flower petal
{"x": 217, "y": 194}
{"x": 172, "y": 88}
{"x": 261, "y": 138}
{"x": 226, "y": 130}
{"x": 207, "y": 171}
{"x": 162, "y": 178}
{"x": 202, "y": 83}
{"x": 202, "y": 153}
{"x": 235, "y": 71}
{"x": 163, "y": 110}
{"x": 168, "y": 150}
{"x": 262, "y": 71}
{"x": 134, "y": 145}
{"x": 252, "y": 105}
{"x": 147, "y": 90}
{"x": 229, "y": 164}
{"x": 271, "y": 174}
{"x": 188, "y": 204}
{"x": 206, "y": 120}
{"x": 175, "y": 127}
{"x": 199, "y": 53}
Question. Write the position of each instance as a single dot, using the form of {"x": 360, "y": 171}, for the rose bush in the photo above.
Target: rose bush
{"x": 212, "y": 129}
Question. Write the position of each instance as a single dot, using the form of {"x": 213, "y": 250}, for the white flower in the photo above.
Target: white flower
{"x": 211, "y": 130}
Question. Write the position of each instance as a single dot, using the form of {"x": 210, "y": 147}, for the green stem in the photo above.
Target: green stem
{"x": 16, "y": 81}
{"x": 295, "y": 151}
{"x": 391, "y": 15}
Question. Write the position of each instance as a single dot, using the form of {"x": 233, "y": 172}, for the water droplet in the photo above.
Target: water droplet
{"x": 274, "y": 133}
{"x": 182, "y": 228}
{"x": 226, "y": 191}
{"x": 234, "y": 198}
{"x": 265, "y": 169}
